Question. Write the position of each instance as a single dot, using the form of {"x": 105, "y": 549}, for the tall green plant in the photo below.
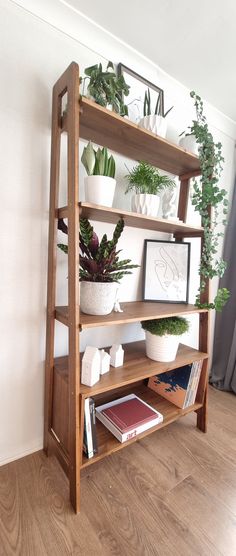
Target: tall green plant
{"x": 106, "y": 87}
{"x": 208, "y": 194}
{"x": 97, "y": 162}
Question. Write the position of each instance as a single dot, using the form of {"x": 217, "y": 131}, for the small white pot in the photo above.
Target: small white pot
{"x": 189, "y": 143}
{"x": 156, "y": 124}
{"x": 99, "y": 190}
{"x": 161, "y": 348}
{"x": 97, "y": 298}
{"x": 145, "y": 203}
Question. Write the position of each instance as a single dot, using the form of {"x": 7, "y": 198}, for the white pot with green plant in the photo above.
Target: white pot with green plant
{"x": 100, "y": 269}
{"x": 162, "y": 337}
{"x": 146, "y": 182}
{"x": 100, "y": 183}
{"x": 155, "y": 122}
{"x": 188, "y": 141}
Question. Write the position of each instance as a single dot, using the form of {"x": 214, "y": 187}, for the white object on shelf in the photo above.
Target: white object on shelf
{"x": 154, "y": 123}
{"x": 117, "y": 355}
{"x": 99, "y": 190}
{"x": 169, "y": 207}
{"x": 90, "y": 366}
{"x": 105, "y": 359}
{"x": 145, "y": 203}
{"x": 161, "y": 348}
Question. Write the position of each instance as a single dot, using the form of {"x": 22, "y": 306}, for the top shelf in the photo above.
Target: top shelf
{"x": 107, "y": 128}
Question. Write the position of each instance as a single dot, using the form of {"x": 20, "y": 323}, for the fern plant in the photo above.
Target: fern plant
{"x": 106, "y": 87}
{"x": 145, "y": 178}
{"x": 99, "y": 261}
{"x": 147, "y": 108}
{"x": 97, "y": 162}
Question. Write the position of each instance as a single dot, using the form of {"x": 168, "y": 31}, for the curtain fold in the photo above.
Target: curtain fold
{"x": 223, "y": 371}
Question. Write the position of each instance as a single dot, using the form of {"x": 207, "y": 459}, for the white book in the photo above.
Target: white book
{"x": 123, "y": 437}
{"x": 88, "y": 429}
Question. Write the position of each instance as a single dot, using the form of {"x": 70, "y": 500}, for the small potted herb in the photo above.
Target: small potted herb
{"x": 154, "y": 121}
{"x": 100, "y": 183}
{"x": 146, "y": 182}
{"x": 162, "y": 337}
{"x": 100, "y": 268}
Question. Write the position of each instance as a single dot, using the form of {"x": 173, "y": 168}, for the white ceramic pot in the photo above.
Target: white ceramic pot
{"x": 161, "y": 348}
{"x": 189, "y": 143}
{"x": 97, "y": 298}
{"x": 145, "y": 203}
{"x": 99, "y": 190}
{"x": 156, "y": 124}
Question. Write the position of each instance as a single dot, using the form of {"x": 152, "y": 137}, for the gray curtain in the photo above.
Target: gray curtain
{"x": 223, "y": 372}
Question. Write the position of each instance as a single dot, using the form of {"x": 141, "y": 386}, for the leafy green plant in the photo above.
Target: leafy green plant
{"x": 106, "y": 87}
{"x": 145, "y": 178}
{"x": 208, "y": 194}
{"x": 98, "y": 163}
{"x": 175, "y": 326}
{"x": 147, "y": 108}
{"x": 99, "y": 261}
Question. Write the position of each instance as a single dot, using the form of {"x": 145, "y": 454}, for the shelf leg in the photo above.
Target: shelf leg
{"x": 202, "y": 413}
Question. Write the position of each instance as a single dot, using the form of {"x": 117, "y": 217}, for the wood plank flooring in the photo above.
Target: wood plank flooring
{"x": 170, "y": 494}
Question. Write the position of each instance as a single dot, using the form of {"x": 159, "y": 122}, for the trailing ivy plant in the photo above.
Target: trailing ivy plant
{"x": 208, "y": 194}
{"x": 106, "y": 87}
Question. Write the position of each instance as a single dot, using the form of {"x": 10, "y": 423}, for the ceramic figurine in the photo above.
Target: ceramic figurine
{"x": 90, "y": 366}
{"x": 117, "y": 355}
{"x": 105, "y": 359}
{"x": 169, "y": 204}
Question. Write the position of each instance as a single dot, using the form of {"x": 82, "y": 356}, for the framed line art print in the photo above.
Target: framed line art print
{"x": 138, "y": 85}
{"x": 166, "y": 271}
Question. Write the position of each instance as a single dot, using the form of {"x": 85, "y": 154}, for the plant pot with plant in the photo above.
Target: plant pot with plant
{"x": 155, "y": 122}
{"x": 188, "y": 141}
{"x": 100, "y": 184}
{"x": 100, "y": 268}
{"x": 146, "y": 182}
{"x": 106, "y": 87}
{"x": 162, "y": 337}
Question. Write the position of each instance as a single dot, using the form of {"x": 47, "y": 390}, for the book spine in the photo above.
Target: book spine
{"x": 88, "y": 444}
{"x": 190, "y": 383}
{"x": 93, "y": 425}
{"x": 195, "y": 383}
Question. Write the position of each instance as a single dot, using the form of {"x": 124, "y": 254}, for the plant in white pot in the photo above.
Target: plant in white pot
{"x": 100, "y": 268}
{"x": 188, "y": 141}
{"x": 154, "y": 121}
{"x": 146, "y": 182}
{"x": 162, "y": 337}
{"x": 100, "y": 183}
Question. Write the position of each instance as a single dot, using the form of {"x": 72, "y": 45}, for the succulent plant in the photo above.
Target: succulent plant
{"x": 98, "y": 163}
{"x": 145, "y": 178}
{"x": 99, "y": 261}
{"x": 147, "y": 108}
{"x": 106, "y": 87}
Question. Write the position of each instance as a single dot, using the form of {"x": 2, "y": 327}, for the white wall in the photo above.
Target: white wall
{"x": 34, "y": 52}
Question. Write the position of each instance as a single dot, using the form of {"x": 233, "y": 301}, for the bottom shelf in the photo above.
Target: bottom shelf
{"x": 107, "y": 443}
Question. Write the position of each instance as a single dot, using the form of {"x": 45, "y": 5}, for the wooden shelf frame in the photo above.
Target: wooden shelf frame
{"x": 85, "y": 119}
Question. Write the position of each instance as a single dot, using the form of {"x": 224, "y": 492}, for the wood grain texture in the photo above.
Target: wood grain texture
{"x": 170, "y": 494}
{"x": 108, "y": 129}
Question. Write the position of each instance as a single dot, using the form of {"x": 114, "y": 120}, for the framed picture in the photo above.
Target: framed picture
{"x": 166, "y": 271}
{"x": 138, "y": 86}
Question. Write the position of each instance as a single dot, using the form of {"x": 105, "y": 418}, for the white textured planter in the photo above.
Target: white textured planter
{"x": 189, "y": 143}
{"x": 161, "y": 348}
{"x": 97, "y": 298}
{"x": 145, "y": 203}
{"x": 156, "y": 124}
{"x": 99, "y": 190}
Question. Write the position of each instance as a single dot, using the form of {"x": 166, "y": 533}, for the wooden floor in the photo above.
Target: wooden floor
{"x": 170, "y": 494}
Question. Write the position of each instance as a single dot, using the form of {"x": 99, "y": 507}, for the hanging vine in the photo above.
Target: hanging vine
{"x": 207, "y": 194}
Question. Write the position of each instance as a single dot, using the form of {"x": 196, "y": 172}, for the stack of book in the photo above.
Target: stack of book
{"x": 179, "y": 386}
{"x": 90, "y": 438}
{"x": 128, "y": 416}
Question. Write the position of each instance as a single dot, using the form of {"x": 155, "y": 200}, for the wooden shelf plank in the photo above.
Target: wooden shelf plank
{"x": 108, "y": 129}
{"x": 135, "y": 220}
{"x": 108, "y": 444}
{"x": 137, "y": 366}
{"x": 133, "y": 311}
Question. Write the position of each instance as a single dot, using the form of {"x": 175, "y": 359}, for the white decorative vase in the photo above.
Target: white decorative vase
{"x": 161, "y": 348}
{"x": 156, "y": 124}
{"x": 97, "y": 298}
{"x": 189, "y": 143}
{"x": 99, "y": 190}
{"x": 145, "y": 203}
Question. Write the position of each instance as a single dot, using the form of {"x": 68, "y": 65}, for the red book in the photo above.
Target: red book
{"x": 129, "y": 414}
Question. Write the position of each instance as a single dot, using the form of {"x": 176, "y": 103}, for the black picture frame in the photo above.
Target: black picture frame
{"x": 166, "y": 271}
{"x": 122, "y": 70}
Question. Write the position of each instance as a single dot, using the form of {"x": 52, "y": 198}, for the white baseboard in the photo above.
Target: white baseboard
{"x": 38, "y": 446}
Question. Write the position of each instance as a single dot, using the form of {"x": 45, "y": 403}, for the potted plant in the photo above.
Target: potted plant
{"x": 188, "y": 141}
{"x": 146, "y": 182}
{"x": 106, "y": 87}
{"x": 154, "y": 121}
{"x": 100, "y": 268}
{"x": 162, "y": 337}
{"x": 209, "y": 196}
{"x": 100, "y": 183}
